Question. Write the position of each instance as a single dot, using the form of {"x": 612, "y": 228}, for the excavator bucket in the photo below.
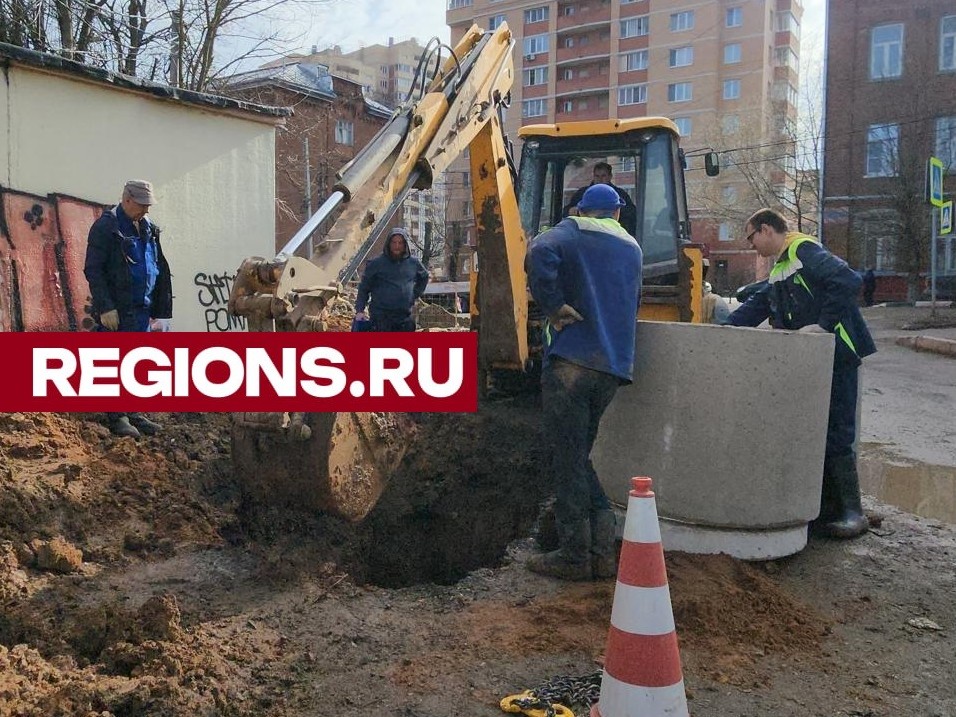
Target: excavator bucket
{"x": 337, "y": 463}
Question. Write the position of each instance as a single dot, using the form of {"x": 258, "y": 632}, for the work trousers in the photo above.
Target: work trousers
{"x": 382, "y": 321}
{"x": 841, "y": 423}
{"x": 574, "y": 399}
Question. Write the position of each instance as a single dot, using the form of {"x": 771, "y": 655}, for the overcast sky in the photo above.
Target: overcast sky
{"x": 353, "y": 23}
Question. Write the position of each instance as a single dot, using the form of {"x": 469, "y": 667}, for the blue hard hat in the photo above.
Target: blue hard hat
{"x": 600, "y": 196}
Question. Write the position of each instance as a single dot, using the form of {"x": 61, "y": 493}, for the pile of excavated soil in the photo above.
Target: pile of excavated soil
{"x": 87, "y": 519}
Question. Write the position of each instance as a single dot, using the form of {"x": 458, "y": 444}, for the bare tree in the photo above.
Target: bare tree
{"x": 199, "y": 40}
{"x": 771, "y": 158}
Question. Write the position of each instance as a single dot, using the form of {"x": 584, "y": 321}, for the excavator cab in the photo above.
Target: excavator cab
{"x": 558, "y": 160}
{"x": 643, "y": 158}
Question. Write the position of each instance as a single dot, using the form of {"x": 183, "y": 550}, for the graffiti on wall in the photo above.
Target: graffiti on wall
{"x": 213, "y": 296}
{"x": 42, "y": 249}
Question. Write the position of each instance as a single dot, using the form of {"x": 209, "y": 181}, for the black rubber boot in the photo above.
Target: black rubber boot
{"x": 603, "y": 544}
{"x": 572, "y": 561}
{"x": 144, "y": 425}
{"x": 845, "y": 519}
{"x": 120, "y": 426}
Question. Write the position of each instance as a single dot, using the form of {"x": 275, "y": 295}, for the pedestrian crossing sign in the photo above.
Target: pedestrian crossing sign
{"x": 935, "y": 182}
{"x": 946, "y": 218}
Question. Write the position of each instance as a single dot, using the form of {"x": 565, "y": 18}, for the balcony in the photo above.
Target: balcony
{"x": 578, "y": 85}
{"x": 585, "y": 17}
{"x": 591, "y": 51}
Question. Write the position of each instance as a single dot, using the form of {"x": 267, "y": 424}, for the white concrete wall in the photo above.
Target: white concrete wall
{"x": 214, "y": 173}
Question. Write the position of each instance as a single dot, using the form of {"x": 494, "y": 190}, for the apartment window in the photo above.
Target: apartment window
{"x": 731, "y": 89}
{"x": 947, "y": 43}
{"x": 632, "y": 95}
{"x": 344, "y": 132}
{"x": 725, "y": 232}
{"x": 568, "y": 10}
{"x": 734, "y": 17}
{"x": 682, "y": 56}
{"x": 681, "y": 21}
{"x": 729, "y": 124}
{"x": 729, "y": 194}
{"x": 494, "y": 22}
{"x": 635, "y": 26}
{"x": 787, "y": 22}
{"x": 732, "y": 53}
{"x": 684, "y": 125}
{"x": 946, "y": 141}
{"x": 534, "y": 44}
{"x": 568, "y": 42}
{"x": 631, "y": 61}
{"x": 568, "y": 106}
{"x": 882, "y": 148}
{"x": 452, "y": 4}
{"x": 567, "y": 74}
{"x": 680, "y": 92}
{"x": 536, "y": 14}
{"x": 627, "y": 164}
{"x": 535, "y": 76}
{"x": 886, "y": 51}
{"x": 533, "y": 108}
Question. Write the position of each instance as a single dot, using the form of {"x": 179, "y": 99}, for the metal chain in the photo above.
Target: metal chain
{"x": 568, "y": 691}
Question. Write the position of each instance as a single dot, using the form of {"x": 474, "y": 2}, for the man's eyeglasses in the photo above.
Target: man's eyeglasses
{"x": 750, "y": 237}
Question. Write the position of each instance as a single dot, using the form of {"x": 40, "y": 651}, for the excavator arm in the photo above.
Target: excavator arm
{"x": 338, "y": 462}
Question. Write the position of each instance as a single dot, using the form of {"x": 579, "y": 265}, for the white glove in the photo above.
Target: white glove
{"x": 160, "y": 325}
{"x": 812, "y": 329}
{"x": 564, "y": 316}
{"x": 110, "y": 320}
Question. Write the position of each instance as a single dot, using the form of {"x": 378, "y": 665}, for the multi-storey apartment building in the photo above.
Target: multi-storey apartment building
{"x": 726, "y": 72}
{"x": 385, "y": 71}
{"x": 891, "y": 104}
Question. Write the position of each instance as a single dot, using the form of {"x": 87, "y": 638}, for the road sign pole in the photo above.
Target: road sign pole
{"x": 932, "y": 262}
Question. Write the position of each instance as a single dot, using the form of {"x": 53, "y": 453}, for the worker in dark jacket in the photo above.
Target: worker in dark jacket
{"x": 603, "y": 174}
{"x": 392, "y": 282}
{"x": 130, "y": 283}
{"x": 811, "y": 290}
{"x": 585, "y": 276}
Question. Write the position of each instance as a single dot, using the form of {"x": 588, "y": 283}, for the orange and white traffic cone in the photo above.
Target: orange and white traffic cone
{"x": 642, "y": 673}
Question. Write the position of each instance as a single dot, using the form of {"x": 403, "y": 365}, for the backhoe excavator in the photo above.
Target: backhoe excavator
{"x": 340, "y": 463}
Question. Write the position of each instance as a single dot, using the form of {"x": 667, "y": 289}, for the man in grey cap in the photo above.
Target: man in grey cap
{"x": 130, "y": 283}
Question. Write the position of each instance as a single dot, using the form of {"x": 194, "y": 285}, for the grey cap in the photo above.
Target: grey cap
{"x": 140, "y": 191}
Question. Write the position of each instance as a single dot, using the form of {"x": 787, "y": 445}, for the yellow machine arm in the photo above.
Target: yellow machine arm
{"x": 340, "y": 462}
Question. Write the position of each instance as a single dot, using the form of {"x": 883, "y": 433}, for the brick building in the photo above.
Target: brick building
{"x": 332, "y": 121}
{"x": 726, "y": 71}
{"x": 891, "y": 104}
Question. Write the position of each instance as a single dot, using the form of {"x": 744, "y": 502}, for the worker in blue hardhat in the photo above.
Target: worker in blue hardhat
{"x": 585, "y": 275}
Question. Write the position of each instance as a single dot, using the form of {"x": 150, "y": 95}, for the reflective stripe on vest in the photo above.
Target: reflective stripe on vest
{"x": 842, "y": 333}
{"x": 789, "y": 265}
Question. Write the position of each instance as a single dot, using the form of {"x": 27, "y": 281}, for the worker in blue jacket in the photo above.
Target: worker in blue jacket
{"x": 811, "y": 290}
{"x": 585, "y": 276}
{"x": 392, "y": 283}
{"x": 130, "y": 282}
